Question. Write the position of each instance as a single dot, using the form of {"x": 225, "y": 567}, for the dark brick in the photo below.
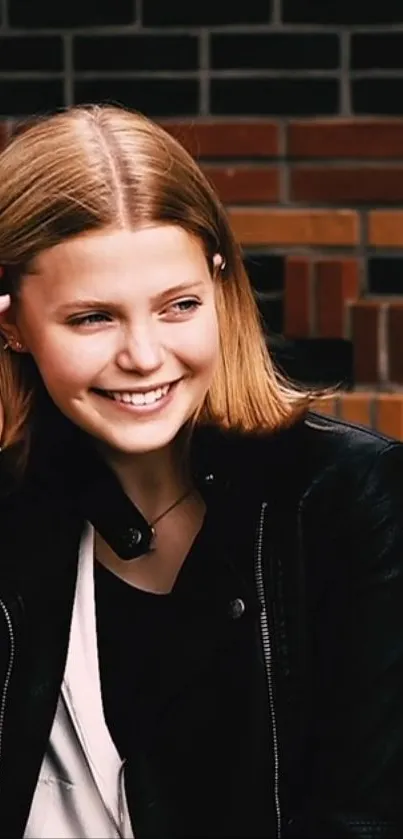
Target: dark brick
{"x": 385, "y": 275}
{"x": 18, "y": 53}
{"x": 394, "y": 341}
{"x": 314, "y": 361}
{"x": 25, "y": 97}
{"x": 381, "y": 50}
{"x": 365, "y": 329}
{"x": 265, "y": 271}
{"x": 136, "y": 52}
{"x": 55, "y": 13}
{"x": 298, "y": 296}
{"x": 155, "y": 97}
{"x": 378, "y": 96}
{"x": 277, "y": 51}
{"x": 4, "y": 133}
{"x": 342, "y": 11}
{"x": 272, "y": 312}
{"x": 275, "y": 96}
{"x": 205, "y": 13}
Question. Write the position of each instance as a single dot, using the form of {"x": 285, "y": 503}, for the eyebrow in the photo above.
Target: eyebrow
{"x": 94, "y": 303}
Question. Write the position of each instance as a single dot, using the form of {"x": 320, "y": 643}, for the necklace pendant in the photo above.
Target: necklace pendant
{"x": 152, "y": 540}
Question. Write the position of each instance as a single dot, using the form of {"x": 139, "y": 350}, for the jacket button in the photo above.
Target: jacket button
{"x": 236, "y": 608}
{"x": 135, "y": 536}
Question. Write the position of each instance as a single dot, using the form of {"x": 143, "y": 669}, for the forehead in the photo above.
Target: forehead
{"x": 112, "y": 262}
{"x": 140, "y": 248}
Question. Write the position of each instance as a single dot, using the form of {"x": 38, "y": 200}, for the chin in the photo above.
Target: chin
{"x": 134, "y": 437}
{"x": 139, "y": 445}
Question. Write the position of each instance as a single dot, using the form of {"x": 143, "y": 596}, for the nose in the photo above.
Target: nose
{"x": 141, "y": 352}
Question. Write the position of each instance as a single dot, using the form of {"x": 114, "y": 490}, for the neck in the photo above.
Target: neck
{"x": 152, "y": 480}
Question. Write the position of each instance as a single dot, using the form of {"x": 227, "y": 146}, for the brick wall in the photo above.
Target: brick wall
{"x": 295, "y": 110}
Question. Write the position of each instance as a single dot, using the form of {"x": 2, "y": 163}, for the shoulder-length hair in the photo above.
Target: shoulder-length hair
{"x": 101, "y": 167}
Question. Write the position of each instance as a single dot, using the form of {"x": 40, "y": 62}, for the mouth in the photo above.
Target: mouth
{"x": 138, "y": 397}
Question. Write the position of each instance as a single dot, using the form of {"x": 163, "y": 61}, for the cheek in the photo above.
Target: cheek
{"x": 60, "y": 371}
{"x": 211, "y": 338}
{"x": 200, "y": 345}
{"x": 61, "y": 362}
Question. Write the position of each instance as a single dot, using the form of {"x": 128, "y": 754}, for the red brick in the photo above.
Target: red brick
{"x": 361, "y": 138}
{"x": 239, "y": 185}
{"x": 340, "y": 185}
{"x": 389, "y": 414}
{"x": 385, "y": 409}
{"x": 395, "y": 342}
{"x": 295, "y": 227}
{"x": 298, "y": 297}
{"x": 385, "y": 228}
{"x": 327, "y": 405}
{"x": 365, "y": 321}
{"x": 226, "y": 139}
{"x": 336, "y": 283}
{"x": 357, "y": 407}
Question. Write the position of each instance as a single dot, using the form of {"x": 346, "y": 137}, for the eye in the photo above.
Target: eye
{"x": 186, "y": 306}
{"x": 89, "y": 319}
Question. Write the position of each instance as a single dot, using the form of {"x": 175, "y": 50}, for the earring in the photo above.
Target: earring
{"x": 13, "y": 344}
{"x": 219, "y": 262}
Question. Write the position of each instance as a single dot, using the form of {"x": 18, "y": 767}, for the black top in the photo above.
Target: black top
{"x": 179, "y": 674}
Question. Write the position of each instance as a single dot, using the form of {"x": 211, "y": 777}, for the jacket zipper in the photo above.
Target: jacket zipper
{"x": 10, "y": 666}
{"x": 268, "y": 660}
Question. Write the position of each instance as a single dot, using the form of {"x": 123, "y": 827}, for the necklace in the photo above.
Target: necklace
{"x": 171, "y": 507}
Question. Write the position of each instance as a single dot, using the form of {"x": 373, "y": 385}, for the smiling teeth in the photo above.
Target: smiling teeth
{"x": 147, "y": 398}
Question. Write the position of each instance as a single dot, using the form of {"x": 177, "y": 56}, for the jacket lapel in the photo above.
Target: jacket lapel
{"x": 38, "y": 572}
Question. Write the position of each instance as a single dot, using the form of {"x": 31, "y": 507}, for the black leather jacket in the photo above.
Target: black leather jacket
{"x": 322, "y": 503}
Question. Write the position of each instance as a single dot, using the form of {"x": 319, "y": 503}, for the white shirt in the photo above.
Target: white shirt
{"x": 80, "y": 792}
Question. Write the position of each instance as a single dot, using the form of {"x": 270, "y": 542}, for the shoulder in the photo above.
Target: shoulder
{"x": 316, "y": 447}
{"x": 354, "y": 485}
{"x": 340, "y": 445}
{"x": 349, "y": 450}
{"x": 313, "y": 449}
{"x": 331, "y": 453}
{"x": 320, "y": 456}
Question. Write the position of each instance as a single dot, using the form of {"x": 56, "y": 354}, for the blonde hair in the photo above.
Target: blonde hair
{"x": 95, "y": 167}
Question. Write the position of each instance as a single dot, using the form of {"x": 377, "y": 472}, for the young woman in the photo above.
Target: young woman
{"x": 201, "y": 583}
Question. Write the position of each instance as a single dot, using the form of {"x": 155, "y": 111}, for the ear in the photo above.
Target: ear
{"x": 8, "y": 327}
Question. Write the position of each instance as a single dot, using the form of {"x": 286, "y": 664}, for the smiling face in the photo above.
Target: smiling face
{"x": 123, "y": 328}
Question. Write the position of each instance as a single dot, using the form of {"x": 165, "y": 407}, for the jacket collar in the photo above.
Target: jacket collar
{"x": 221, "y": 460}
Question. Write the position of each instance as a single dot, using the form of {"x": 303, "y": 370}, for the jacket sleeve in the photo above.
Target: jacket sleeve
{"x": 355, "y": 786}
